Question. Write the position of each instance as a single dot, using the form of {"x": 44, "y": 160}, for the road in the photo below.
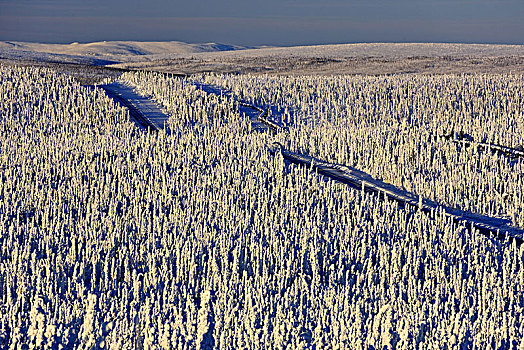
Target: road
{"x": 146, "y": 113}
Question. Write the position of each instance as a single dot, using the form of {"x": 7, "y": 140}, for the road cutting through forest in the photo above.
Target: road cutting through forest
{"x": 142, "y": 110}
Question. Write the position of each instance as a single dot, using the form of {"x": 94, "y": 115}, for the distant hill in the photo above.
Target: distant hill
{"x": 361, "y": 58}
{"x": 375, "y": 50}
{"x": 106, "y": 52}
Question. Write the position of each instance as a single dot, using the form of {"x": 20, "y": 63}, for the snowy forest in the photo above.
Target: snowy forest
{"x": 201, "y": 237}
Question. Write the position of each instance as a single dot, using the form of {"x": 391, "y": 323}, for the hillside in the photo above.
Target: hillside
{"x": 105, "y": 52}
{"x": 361, "y": 59}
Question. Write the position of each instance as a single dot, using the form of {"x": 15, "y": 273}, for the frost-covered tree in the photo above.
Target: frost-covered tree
{"x": 121, "y": 239}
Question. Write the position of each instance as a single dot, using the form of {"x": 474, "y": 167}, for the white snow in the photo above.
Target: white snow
{"x": 385, "y": 50}
{"x": 109, "y": 52}
{"x": 117, "y": 51}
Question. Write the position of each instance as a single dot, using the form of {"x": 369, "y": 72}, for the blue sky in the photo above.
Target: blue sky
{"x": 266, "y": 22}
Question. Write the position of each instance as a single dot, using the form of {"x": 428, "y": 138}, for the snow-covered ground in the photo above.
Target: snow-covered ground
{"x": 117, "y": 52}
{"x": 106, "y": 52}
{"x": 385, "y": 50}
{"x": 361, "y": 59}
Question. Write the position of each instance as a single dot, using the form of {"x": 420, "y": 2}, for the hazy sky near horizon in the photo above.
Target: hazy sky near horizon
{"x": 269, "y": 22}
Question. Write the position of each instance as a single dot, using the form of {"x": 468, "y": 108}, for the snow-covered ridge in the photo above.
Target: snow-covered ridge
{"x": 110, "y": 51}
{"x": 120, "y": 47}
{"x": 380, "y": 50}
{"x": 115, "y": 52}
